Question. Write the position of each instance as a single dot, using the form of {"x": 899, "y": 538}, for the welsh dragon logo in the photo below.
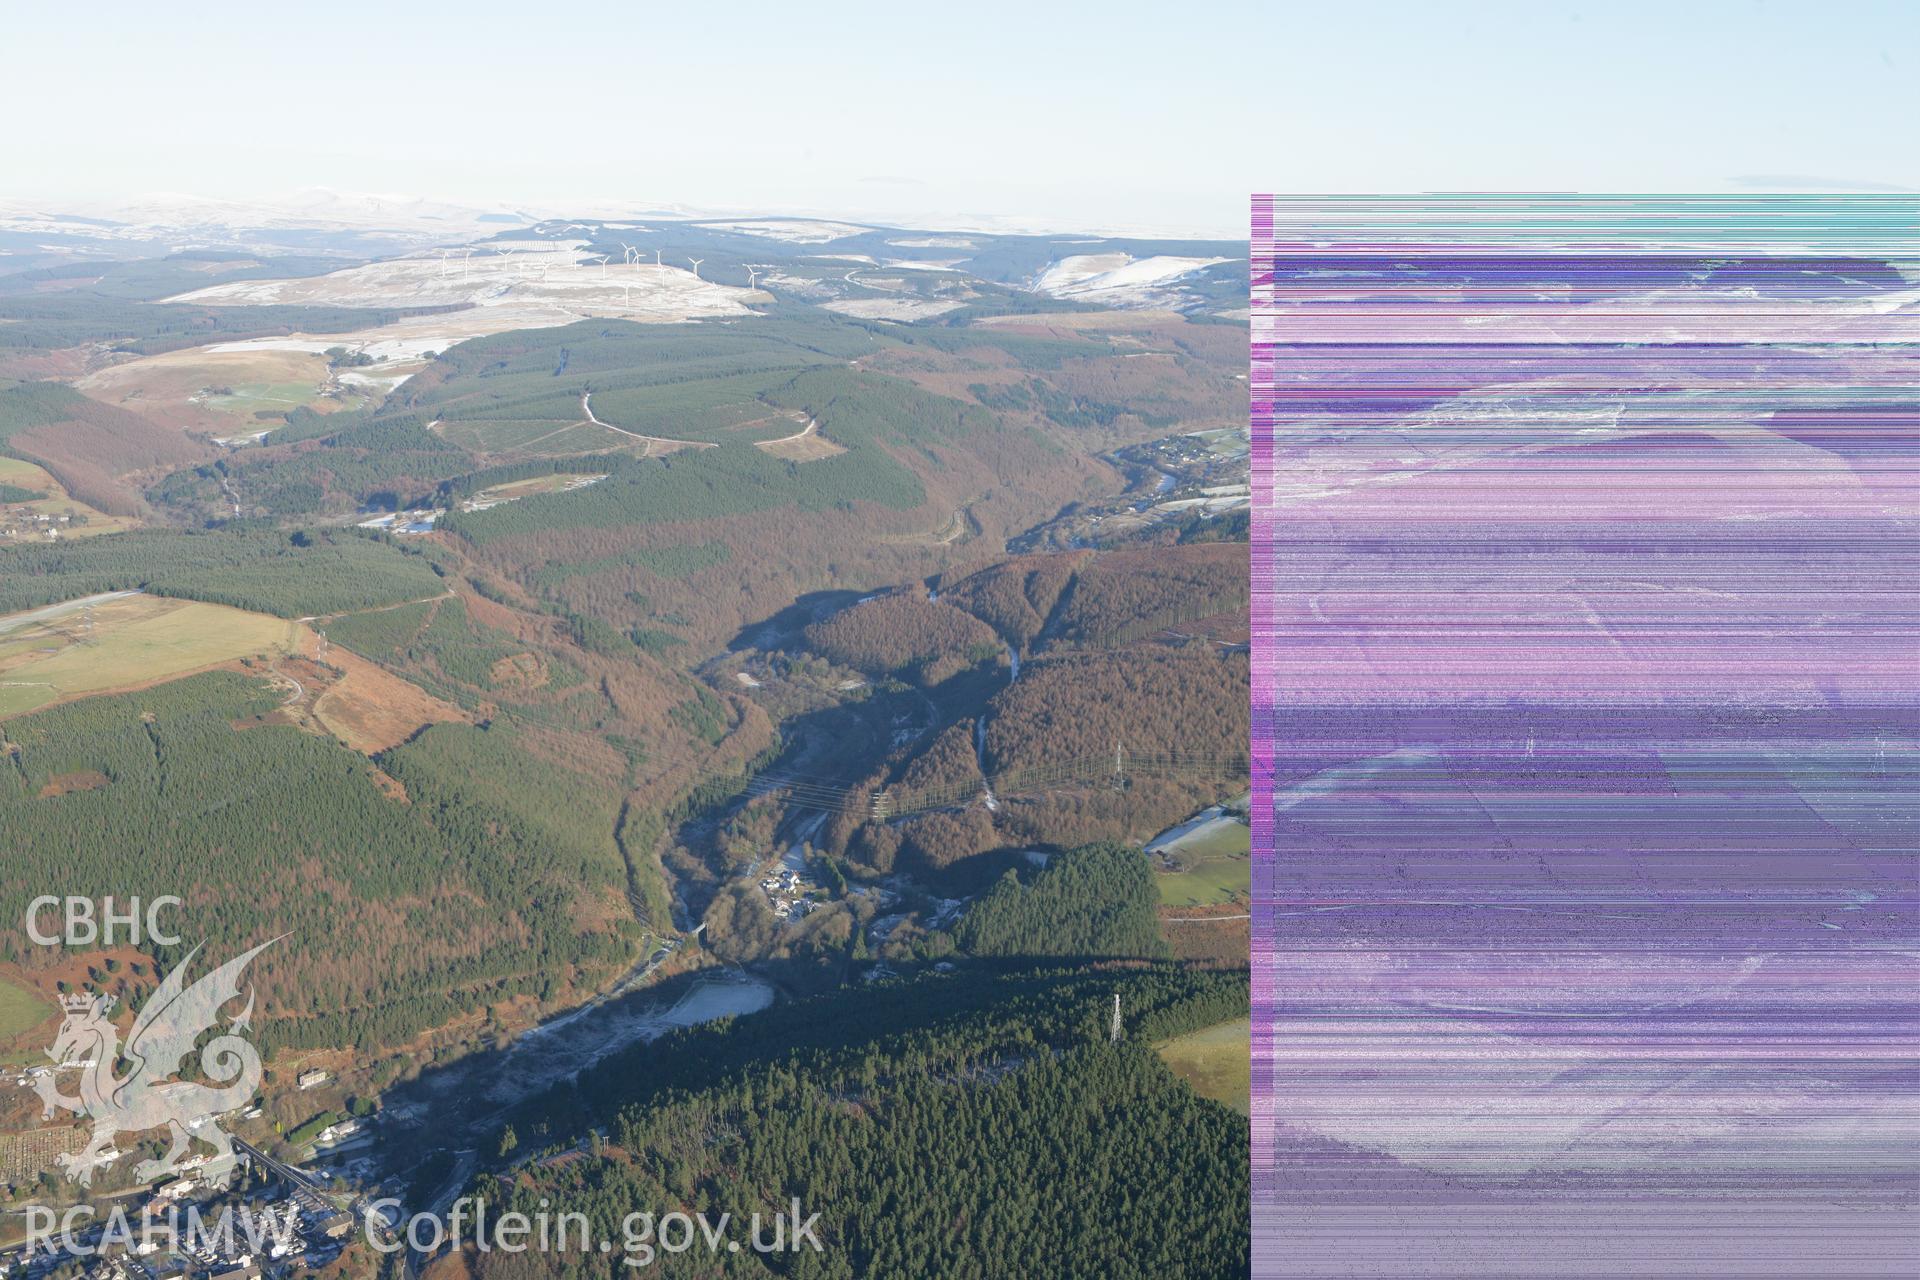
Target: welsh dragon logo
{"x": 147, "y": 1096}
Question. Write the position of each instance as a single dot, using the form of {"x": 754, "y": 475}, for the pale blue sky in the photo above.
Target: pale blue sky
{"x": 1111, "y": 115}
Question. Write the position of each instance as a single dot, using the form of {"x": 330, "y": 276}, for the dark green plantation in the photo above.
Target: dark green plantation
{"x": 977, "y": 1124}
{"x": 399, "y": 916}
{"x": 70, "y": 318}
{"x": 698, "y": 486}
{"x": 1097, "y": 900}
{"x": 262, "y": 569}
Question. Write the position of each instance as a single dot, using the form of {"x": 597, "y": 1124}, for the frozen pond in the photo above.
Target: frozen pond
{"x": 565, "y": 1046}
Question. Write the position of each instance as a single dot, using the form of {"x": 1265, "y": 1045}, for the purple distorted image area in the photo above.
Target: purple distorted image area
{"x": 1585, "y": 708}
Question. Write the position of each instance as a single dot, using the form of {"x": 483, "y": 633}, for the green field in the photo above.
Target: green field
{"x": 718, "y": 410}
{"x": 25, "y": 474}
{"x": 20, "y": 1010}
{"x": 1226, "y": 442}
{"x": 513, "y": 490}
{"x": 1216, "y": 1061}
{"x": 535, "y": 435}
{"x": 245, "y": 399}
{"x": 57, "y": 502}
{"x": 1215, "y": 867}
{"x": 46, "y": 655}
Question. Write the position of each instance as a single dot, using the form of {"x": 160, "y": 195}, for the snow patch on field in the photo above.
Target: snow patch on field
{"x": 313, "y": 219}
{"x": 535, "y": 275}
{"x": 800, "y": 286}
{"x": 1116, "y": 277}
{"x": 791, "y": 230}
{"x": 535, "y": 286}
{"x": 891, "y": 308}
{"x": 935, "y": 242}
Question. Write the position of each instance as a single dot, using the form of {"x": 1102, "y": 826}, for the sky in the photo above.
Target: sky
{"x": 1114, "y": 116}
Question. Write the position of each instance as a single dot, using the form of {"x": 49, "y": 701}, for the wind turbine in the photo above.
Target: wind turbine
{"x": 750, "y": 277}
{"x": 696, "y": 266}
{"x": 656, "y": 257}
{"x": 630, "y": 251}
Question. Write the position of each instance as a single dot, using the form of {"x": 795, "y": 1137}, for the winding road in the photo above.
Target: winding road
{"x": 586, "y": 407}
{"x": 812, "y": 426}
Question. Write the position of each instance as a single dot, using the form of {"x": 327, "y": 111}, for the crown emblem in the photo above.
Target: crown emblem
{"x": 78, "y": 1002}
